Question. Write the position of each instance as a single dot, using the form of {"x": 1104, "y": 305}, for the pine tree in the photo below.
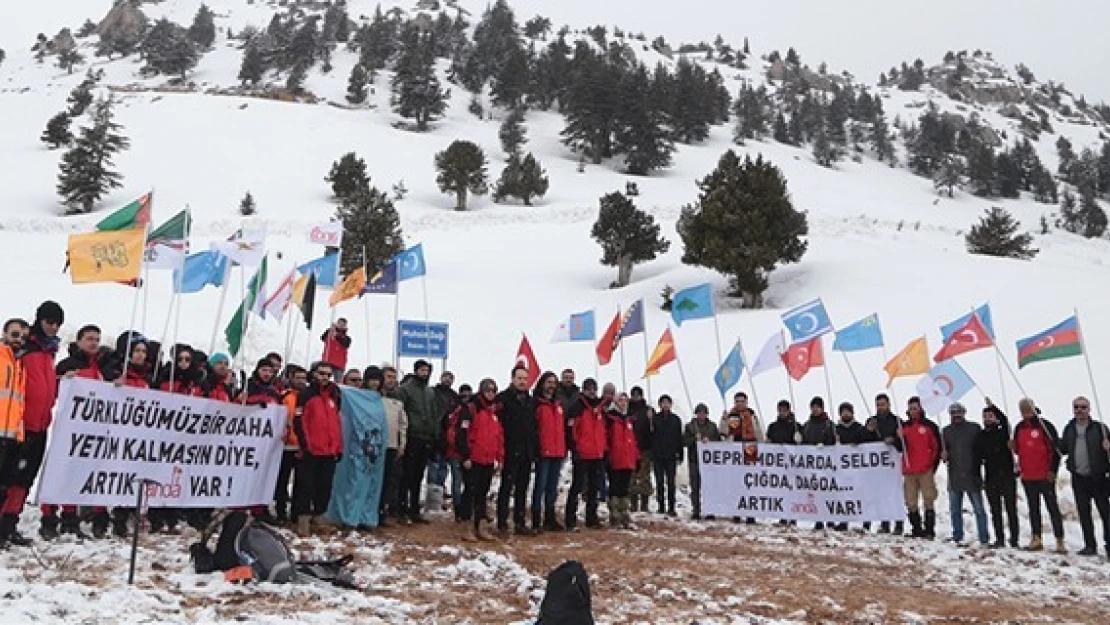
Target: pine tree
{"x": 81, "y": 97}
{"x": 640, "y": 134}
{"x": 934, "y": 139}
{"x": 295, "y": 81}
{"x": 86, "y": 172}
{"x": 247, "y": 206}
{"x": 416, "y": 91}
{"x": 880, "y": 140}
{"x": 752, "y": 114}
{"x": 521, "y": 178}
{"x": 628, "y": 236}
{"x": 981, "y": 165}
{"x": 996, "y": 234}
{"x": 304, "y": 48}
{"x": 461, "y": 169}
{"x": 695, "y": 103}
{"x": 168, "y": 49}
{"x": 743, "y": 224}
{"x": 512, "y": 133}
{"x": 825, "y": 151}
{"x": 496, "y": 40}
{"x": 1007, "y": 176}
{"x": 781, "y": 132}
{"x": 1044, "y": 187}
{"x": 371, "y": 227}
{"x": 377, "y": 42}
{"x": 203, "y": 30}
{"x": 1070, "y": 218}
{"x": 512, "y": 79}
{"x": 253, "y": 66}
{"x": 68, "y": 59}
{"x": 348, "y": 176}
{"x": 356, "y": 85}
{"x": 537, "y": 27}
{"x": 1092, "y": 216}
{"x": 1067, "y": 156}
{"x": 1104, "y": 170}
{"x": 57, "y": 131}
{"x": 592, "y": 105}
{"x": 949, "y": 175}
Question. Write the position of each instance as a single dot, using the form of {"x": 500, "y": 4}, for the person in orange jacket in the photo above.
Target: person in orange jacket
{"x": 298, "y": 381}
{"x": 13, "y": 387}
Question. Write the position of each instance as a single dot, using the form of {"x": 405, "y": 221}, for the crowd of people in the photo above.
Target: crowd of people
{"x": 623, "y": 451}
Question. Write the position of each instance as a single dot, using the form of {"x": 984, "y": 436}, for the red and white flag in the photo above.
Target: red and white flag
{"x": 526, "y": 358}
{"x": 278, "y": 302}
{"x": 801, "y": 357}
{"x": 972, "y": 336}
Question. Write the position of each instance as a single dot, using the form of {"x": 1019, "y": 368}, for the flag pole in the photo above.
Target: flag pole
{"x": 146, "y": 288}
{"x": 366, "y": 305}
{"x": 828, "y": 379}
{"x": 647, "y": 379}
{"x": 1087, "y": 360}
{"x": 789, "y": 380}
{"x": 396, "y": 328}
{"x": 134, "y": 311}
{"x": 1002, "y": 361}
{"x": 716, "y": 328}
{"x": 682, "y": 375}
{"x": 751, "y": 378}
{"x": 220, "y": 306}
{"x": 243, "y": 320}
{"x": 624, "y": 381}
{"x": 855, "y": 379}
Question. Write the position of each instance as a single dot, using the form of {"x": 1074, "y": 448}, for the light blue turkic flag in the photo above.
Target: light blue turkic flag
{"x": 863, "y": 334}
{"x": 728, "y": 374}
{"x": 807, "y": 322}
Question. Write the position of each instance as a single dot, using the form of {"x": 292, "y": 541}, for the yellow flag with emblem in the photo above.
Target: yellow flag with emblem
{"x": 108, "y": 256}
{"x": 912, "y": 360}
{"x": 352, "y": 285}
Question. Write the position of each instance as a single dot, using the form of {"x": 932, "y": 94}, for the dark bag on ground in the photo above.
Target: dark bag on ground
{"x": 567, "y": 599}
{"x": 243, "y": 542}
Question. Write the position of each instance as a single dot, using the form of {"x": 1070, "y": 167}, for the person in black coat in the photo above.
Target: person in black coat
{"x": 852, "y": 432}
{"x": 819, "y": 430}
{"x": 992, "y": 448}
{"x": 517, "y": 412}
{"x": 643, "y": 419}
{"x": 1086, "y": 443}
{"x": 666, "y": 452}
{"x": 889, "y": 427}
{"x": 785, "y": 430}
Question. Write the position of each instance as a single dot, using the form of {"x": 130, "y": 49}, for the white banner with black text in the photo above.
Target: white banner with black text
{"x": 841, "y": 483}
{"x": 187, "y": 452}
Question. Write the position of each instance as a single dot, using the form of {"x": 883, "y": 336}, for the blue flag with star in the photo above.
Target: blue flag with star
{"x": 807, "y": 322}
{"x": 632, "y": 322}
{"x": 863, "y": 334}
{"x": 728, "y": 374}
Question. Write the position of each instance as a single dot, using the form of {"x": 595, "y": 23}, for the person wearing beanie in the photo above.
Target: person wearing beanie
{"x": 1000, "y": 483}
{"x": 965, "y": 473}
{"x": 217, "y": 383}
{"x": 666, "y": 454}
{"x": 699, "y": 430}
{"x": 262, "y": 387}
{"x": 423, "y": 412}
{"x": 818, "y": 430}
{"x": 40, "y": 348}
{"x": 852, "y": 432}
{"x": 923, "y": 444}
{"x": 642, "y": 417}
{"x": 586, "y": 439}
{"x": 374, "y": 379}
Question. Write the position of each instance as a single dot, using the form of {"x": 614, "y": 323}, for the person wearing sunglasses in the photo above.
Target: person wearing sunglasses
{"x": 319, "y": 432}
{"x": 12, "y": 390}
{"x": 1086, "y": 444}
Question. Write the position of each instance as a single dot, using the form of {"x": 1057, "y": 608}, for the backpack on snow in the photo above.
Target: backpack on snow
{"x": 567, "y": 598}
{"x": 243, "y": 542}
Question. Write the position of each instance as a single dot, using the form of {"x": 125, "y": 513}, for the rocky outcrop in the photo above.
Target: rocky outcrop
{"x": 125, "y": 19}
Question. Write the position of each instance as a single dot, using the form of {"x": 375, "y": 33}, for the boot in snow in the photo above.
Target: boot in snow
{"x": 1035, "y": 543}
{"x": 100, "y": 524}
{"x": 119, "y": 522}
{"x": 9, "y": 533}
{"x": 899, "y": 528}
{"x": 71, "y": 524}
{"x": 636, "y": 504}
{"x": 884, "y": 527}
{"x": 1061, "y": 546}
{"x": 915, "y": 524}
{"x": 304, "y": 526}
{"x": 930, "y": 524}
{"x": 49, "y": 528}
{"x": 537, "y": 523}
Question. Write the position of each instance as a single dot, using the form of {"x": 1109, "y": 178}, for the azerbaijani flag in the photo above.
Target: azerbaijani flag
{"x": 1059, "y": 341}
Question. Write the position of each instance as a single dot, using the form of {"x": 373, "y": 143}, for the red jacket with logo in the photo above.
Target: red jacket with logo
{"x": 335, "y": 350}
{"x": 922, "y": 453}
{"x": 553, "y": 428}
{"x": 624, "y": 453}
{"x": 42, "y": 383}
{"x": 587, "y": 424}
{"x": 1035, "y": 444}
{"x": 317, "y": 421}
{"x": 477, "y": 432}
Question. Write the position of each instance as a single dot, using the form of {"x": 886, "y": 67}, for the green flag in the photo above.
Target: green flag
{"x": 134, "y": 215}
{"x": 254, "y": 302}
{"x": 176, "y": 229}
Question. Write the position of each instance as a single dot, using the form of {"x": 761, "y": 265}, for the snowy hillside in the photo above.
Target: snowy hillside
{"x": 880, "y": 240}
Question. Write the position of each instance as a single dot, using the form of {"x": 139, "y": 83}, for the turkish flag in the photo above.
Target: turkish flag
{"x": 526, "y": 358}
{"x": 609, "y": 341}
{"x": 801, "y": 357}
{"x": 972, "y": 336}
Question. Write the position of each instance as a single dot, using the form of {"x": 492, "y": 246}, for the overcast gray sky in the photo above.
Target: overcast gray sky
{"x": 1063, "y": 40}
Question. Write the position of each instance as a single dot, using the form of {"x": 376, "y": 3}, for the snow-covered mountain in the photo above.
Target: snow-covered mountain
{"x": 881, "y": 239}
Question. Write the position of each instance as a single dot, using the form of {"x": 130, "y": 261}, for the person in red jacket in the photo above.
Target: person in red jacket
{"x": 336, "y": 343}
{"x": 452, "y": 456}
{"x": 84, "y": 361}
{"x": 1036, "y": 443}
{"x": 319, "y": 433}
{"x": 217, "y": 383}
{"x": 39, "y": 351}
{"x": 262, "y": 387}
{"x": 919, "y": 467}
{"x": 587, "y": 440}
{"x": 552, "y": 427}
{"x": 624, "y": 454}
{"x": 480, "y": 442}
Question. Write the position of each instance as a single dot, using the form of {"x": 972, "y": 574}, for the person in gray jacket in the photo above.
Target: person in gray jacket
{"x": 965, "y": 473}
{"x": 1086, "y": 443}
